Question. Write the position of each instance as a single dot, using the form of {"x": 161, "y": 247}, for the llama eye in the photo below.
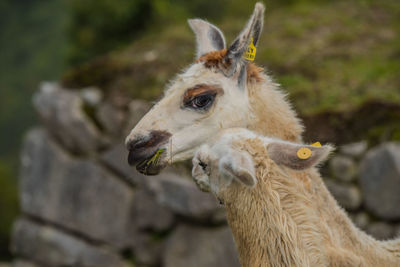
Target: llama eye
{"x": 202, "y": 101}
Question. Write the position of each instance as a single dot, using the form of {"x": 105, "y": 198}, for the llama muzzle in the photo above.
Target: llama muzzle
{"x": 146, "y": 152}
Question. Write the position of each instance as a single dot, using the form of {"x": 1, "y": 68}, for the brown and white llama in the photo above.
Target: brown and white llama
{"x": 221, "y": 89}
{"x": 278, "y": 208}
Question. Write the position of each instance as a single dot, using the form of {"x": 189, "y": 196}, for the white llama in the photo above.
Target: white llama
{"x": 222, "y": 89}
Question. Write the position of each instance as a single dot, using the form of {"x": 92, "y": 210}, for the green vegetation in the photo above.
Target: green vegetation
{"x": 335, "y": 56}
{"x": 8, "y": 207}
{"x": 328, "y": 55}
{"x": 98, "y": 26}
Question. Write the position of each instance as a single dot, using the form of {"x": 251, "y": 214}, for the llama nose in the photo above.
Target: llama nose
{"x": 144, "y": 147}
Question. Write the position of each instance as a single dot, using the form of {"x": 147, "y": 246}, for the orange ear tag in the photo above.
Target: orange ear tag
{"x": 304, "y": 153}
{"x": 317, "y": 144}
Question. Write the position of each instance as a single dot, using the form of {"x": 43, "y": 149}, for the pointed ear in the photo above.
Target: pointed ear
{"x": 238, "y": 166}
{"x": 297, "y": 157}
{"x": 209, "y": 37}
{"x": 234, "y": 61}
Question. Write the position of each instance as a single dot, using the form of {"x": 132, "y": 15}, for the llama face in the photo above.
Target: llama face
{"x": 205, "y": 99}
{"x": 198, "y": 105}
{"x": 217, "y": 166}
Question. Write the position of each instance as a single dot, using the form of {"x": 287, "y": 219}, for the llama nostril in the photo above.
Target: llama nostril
{"x": 203, "y": 165}
{"x": 136, "y": 143}
{"x": 155, "y": 138}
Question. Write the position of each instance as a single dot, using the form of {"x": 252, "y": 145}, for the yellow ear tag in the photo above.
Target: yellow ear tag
{"x": 317, "y": 144}
{"x": 304, "y": 153}
{"x": 250, "y": 53}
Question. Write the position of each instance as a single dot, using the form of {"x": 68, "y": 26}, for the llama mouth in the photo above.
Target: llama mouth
{"x": 153, "y": 164}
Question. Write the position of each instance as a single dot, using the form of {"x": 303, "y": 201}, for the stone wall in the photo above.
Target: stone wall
{"x": 366, "y": 182}
{"x": 82, "y": 205}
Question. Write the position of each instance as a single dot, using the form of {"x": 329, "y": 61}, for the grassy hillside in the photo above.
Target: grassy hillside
{"x": 328, "y": 55}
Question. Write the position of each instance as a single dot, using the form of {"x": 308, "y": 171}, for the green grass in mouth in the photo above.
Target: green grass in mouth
{"x": 156, "y": 158}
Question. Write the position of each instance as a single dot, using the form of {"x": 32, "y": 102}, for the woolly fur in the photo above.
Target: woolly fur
{"x": 289, "y": 218}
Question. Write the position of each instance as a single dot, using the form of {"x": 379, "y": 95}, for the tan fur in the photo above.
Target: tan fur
{"x": 272, "y": 115}
{"x": 290, "y": 219}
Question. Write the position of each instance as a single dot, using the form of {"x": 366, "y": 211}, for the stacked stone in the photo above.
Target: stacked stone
{"x": 367, "y": 184}
{"x": 82, "y": 205}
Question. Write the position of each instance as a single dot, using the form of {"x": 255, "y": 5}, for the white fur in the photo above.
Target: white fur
{"x": 204, "y": 42}
{"x": 255, "y": 103}
{"x": 191, "y": 129}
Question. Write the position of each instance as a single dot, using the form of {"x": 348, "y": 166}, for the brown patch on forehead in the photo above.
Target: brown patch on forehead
{"x": 214, "y": 59}
{"x": 201, "y": 89}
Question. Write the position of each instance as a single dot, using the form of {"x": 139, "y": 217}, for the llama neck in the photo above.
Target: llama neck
{"x": 265, "y": 230}
{"x": 343, "y": 242}
{"x": 294, "y": 221}
{"x": 271, "y": 114}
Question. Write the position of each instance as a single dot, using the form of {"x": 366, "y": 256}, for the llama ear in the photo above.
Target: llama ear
{"x": 297, "y": 157}
{"x": 238, "y": 166}
{"x": 234, "y": 59}
{"x": 208, "y": 37}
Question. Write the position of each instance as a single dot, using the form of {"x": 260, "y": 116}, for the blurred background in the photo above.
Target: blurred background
{"x": 339, "y": 61}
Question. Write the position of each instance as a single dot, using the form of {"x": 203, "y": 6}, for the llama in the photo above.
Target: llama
{"x": 278, "y": 208}
{"x": 222, "y": 89}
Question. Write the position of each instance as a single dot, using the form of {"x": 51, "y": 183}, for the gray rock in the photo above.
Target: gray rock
{"x": 381, "y": 230}
{"x": 23, "y": 263}
{"x": 137, "y": 109}
{"x": 148, "y": 214}
{"x": 62, "y": 113}
{"x": 148, "y": 249}
{"x": 361, "y": 219}
{"x": 4, "y": 264}
{"x": 354, "y": 150}
{"x": 44, "y": 244}
{"x": 200, "y": 247}
{"x": 111, "y": 118}
{"x": 348, "y": 196}
{"x": 92, "y": 96}
{"x": 180, "y": 194}
{"x": 76, "y": 194}
{"x": 380, "y": 181}
{"x": 343, "y": 168}
{"x": 116, "y": 158}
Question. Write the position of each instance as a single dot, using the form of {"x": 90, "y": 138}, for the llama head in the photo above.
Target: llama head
{"x": 214, "y": 173}
{"x": 217, "y": 166}
{"x": 210, "y": 95}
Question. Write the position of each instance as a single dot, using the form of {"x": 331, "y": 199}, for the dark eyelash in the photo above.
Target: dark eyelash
{"x": 191, "y": 102}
